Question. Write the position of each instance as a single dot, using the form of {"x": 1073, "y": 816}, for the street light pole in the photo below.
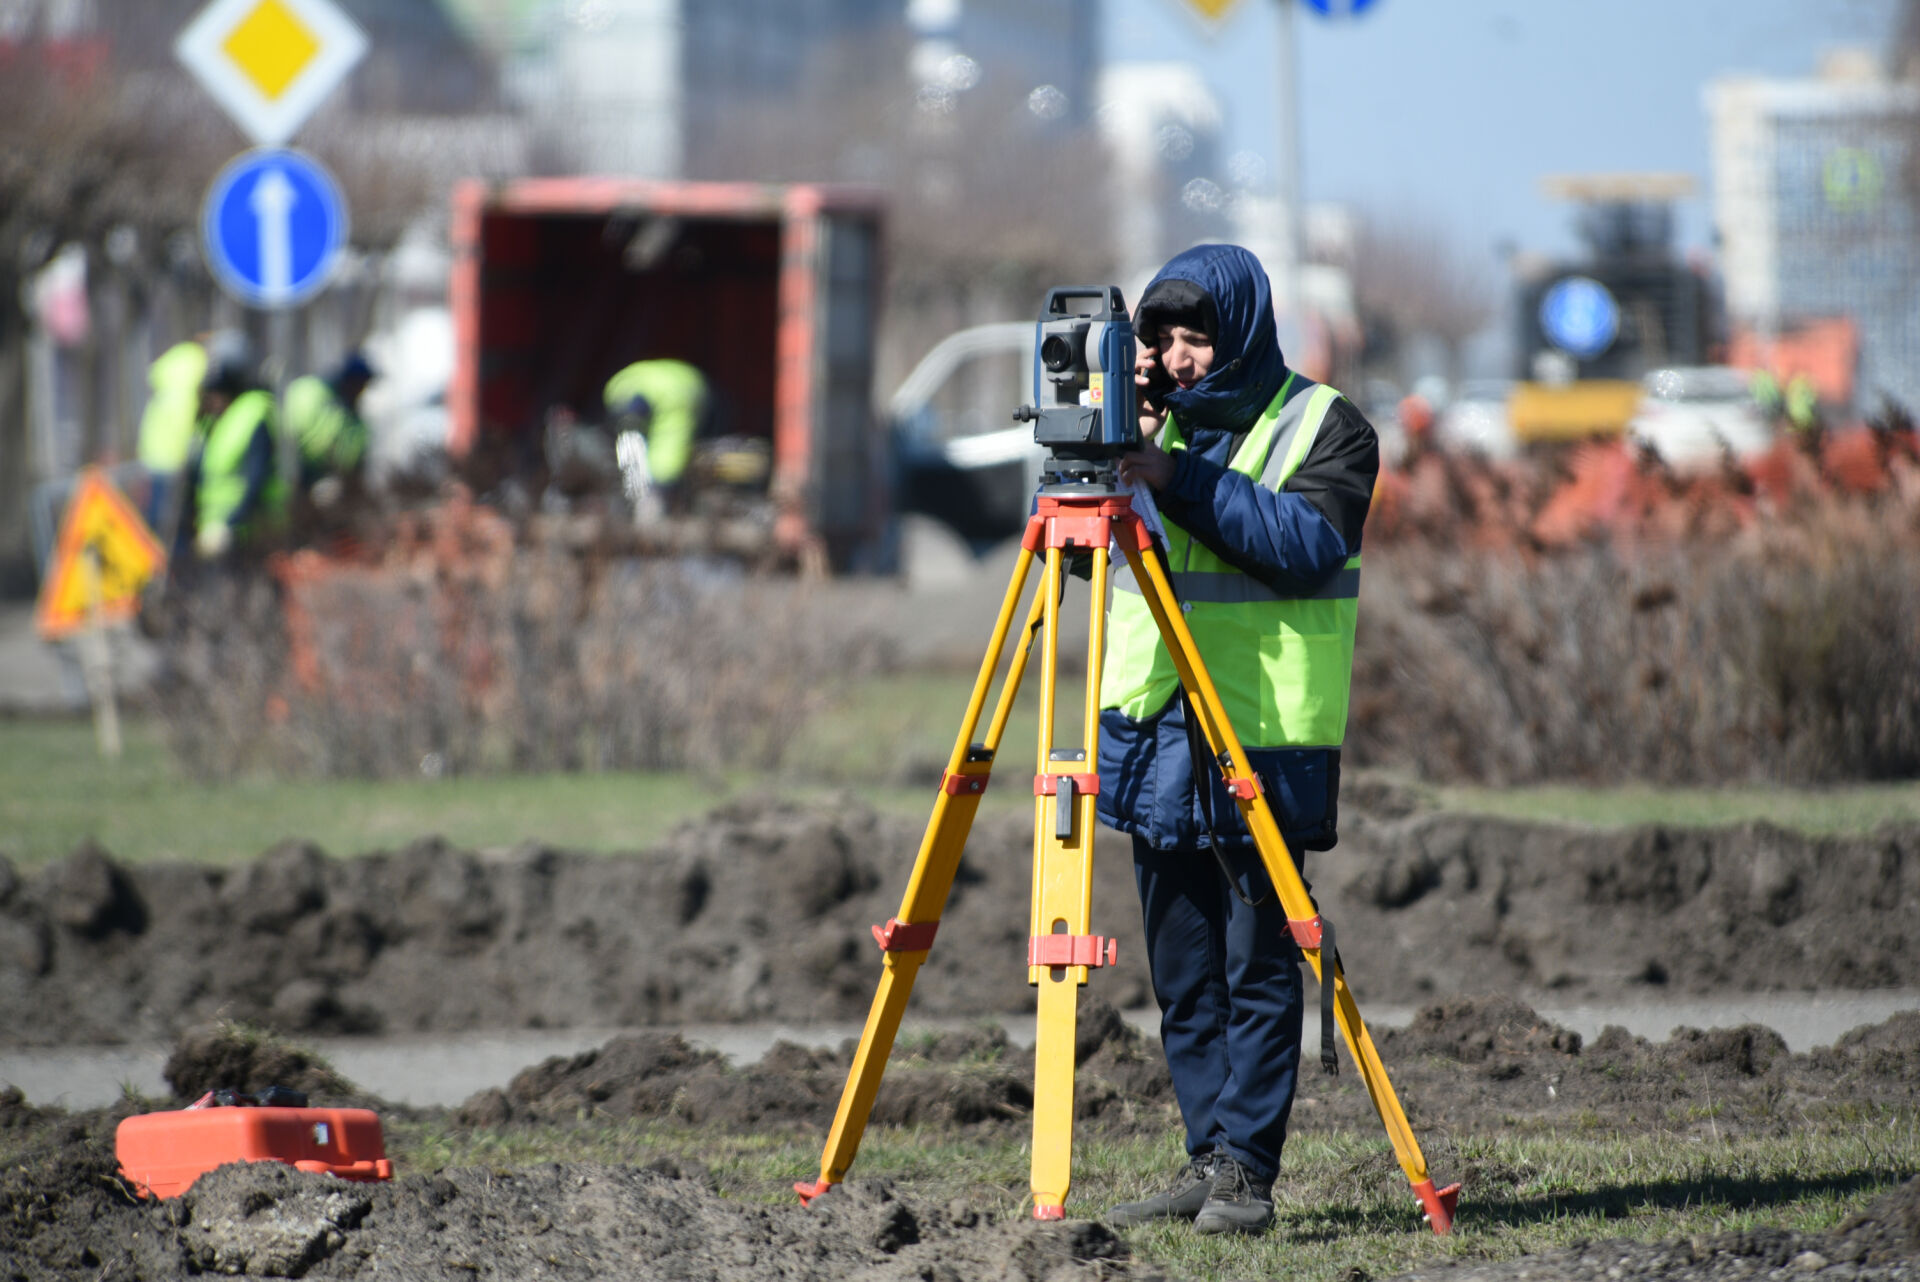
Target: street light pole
{"x": 1286, "y": 147}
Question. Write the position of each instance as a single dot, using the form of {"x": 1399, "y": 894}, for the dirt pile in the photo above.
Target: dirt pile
{"x": 1486, "y": 1062}
{"x": 763, "y": 912}
{"x": 1463, "y": 1064}
{"x": 67, "y": 1217}
{"x": 755, "y": 912}
{"x": 1882, "y": 1242}
{"x": 1436, "y": 904}
{"x": 228, "y": 1057}
{"x": 954, "y": 1079}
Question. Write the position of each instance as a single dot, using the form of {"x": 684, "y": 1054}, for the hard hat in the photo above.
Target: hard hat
{"x": 229, "y": 362}
{"x": 354, "y": 368}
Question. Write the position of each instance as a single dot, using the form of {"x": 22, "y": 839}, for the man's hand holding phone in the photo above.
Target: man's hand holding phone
{"x": 1150, "y": 464}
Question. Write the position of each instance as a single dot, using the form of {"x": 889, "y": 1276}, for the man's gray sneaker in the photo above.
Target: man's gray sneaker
{"x": 1236, "y": 1201}
{"x": 1181, "y": 1202}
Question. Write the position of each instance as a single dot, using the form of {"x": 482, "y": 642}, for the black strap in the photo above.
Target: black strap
{"x": 1329, "y": 964}
{"x": 1203, "y": 765}
{"x": 1203, "y": 768}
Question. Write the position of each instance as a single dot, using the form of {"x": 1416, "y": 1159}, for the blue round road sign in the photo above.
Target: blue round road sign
{"x": 273, "y": 225}
{"x": 1340, "y": 8}
{"x": 1579, "y": 316}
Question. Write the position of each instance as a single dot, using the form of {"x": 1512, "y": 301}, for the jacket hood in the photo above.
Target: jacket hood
{"x": 1226, "y": 283}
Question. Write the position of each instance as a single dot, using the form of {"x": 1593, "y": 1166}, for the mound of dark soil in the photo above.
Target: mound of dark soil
{"x": 763, "y": 911}
{"x": 65, "y": 1215}
{"x": 956, "y": 1079}
{"x": 224, "y": 1056}
{"x": 68, "y": 1219}
{"x": 1882, "y": 1242}
{"x": 1492, "y": 1062}
{"x": 1432, "y": 904}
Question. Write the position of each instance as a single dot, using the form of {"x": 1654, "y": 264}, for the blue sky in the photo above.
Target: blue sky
{"x": 1449, "y": 111}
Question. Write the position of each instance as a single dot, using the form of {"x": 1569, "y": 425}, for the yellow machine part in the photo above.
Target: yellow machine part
{"x": 1543, "y": 412}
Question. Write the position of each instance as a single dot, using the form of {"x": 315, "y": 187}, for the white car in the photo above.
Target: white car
{"x": 1691, "y": 416}
{"x": 1477, "y": 422}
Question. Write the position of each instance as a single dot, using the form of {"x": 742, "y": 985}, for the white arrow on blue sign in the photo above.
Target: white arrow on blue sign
{"x": 1340, "y": 8}
{"x": 273, "y": 225}
{"x": 1580, "y": 317}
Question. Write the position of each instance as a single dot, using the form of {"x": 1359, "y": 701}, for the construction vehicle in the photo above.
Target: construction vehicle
{"x": 1590, "y": 330}
{"x": 771, "y": 291}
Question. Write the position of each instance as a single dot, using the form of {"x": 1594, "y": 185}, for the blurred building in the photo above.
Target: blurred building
{"x": 1162, "y": 125}
{"x": 1046, "y": 55}
{"x": 1818, "y": 216}
{"x": 649, "y": 87}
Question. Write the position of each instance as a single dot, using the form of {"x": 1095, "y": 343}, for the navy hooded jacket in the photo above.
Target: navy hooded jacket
{"x": 1293, "y": 541}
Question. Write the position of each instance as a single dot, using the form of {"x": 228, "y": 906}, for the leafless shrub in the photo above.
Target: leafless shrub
{"x": 544, "y": 658}
{"x": 1790, "y": 654}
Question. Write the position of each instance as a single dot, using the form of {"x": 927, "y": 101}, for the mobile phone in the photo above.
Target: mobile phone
{"x": 1159, "y": 383}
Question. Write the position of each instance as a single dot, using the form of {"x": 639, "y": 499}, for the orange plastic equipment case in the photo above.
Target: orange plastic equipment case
{"x": 163, "y": 1153}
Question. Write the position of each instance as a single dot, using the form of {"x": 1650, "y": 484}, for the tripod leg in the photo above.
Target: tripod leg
{"x": 905, "y": 940}
{"x": 1438, "y": 1205}
{"x": 1060, "y": 951}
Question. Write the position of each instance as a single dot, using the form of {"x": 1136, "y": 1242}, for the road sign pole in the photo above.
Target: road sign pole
{"x": 279, "y": 358}
{"x": 96, "y": 662}
{"x": 1286, "y": 146}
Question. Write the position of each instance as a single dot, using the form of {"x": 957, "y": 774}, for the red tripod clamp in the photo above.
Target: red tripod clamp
{"x": 1072, "y": 950}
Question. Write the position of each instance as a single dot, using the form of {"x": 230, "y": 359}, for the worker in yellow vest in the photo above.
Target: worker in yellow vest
{"x": 324, "y": 416}
{"x": 166, "y": 424}
{"x": 234, "y": 487}
{"x": 1262, "y": 479}
{"x": 664, "y": 400}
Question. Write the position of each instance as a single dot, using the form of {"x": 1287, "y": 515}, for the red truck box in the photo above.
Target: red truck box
{"x": 773, "y": 291}
{"x": 163, "y": 1153}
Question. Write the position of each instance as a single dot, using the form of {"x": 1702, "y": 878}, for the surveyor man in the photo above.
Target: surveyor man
{"x": 1263, "y": 479}
{"x": 324, "y": 416}
{"x": 663, "y": 400}
{"x": 234, "y": 488}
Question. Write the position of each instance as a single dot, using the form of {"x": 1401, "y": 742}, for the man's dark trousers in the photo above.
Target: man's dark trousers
{"x": 1227, "y": 977}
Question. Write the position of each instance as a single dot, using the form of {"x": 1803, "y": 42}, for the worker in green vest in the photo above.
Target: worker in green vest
{"x": 234, "y": 487}
{"x": 166, "y": 424}
{"x": 664, "y": 400}
{"x": 1262, "y": 479}
{"x": 324, "y": 416}
{"x": 1803, "y": 407}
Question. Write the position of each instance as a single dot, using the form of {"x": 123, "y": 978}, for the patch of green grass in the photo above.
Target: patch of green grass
{"x": 55, "y": 791}
{"x": 1342, "y": 1201}
{"x": 885, "y": 745}
{"x": 887, "y": 748}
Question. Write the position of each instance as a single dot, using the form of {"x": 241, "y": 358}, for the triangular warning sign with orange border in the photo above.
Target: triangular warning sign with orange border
{"x": 100, "y": 518}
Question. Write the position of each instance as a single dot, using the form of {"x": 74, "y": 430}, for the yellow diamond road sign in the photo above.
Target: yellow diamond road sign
{"x": 270, "y": 63}
{"x": 1212, "y": 10}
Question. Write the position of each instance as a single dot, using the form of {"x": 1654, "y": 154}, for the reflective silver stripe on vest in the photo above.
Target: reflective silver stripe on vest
{"x": 1293, "y": 416}
{"x": 1235, "y": 588}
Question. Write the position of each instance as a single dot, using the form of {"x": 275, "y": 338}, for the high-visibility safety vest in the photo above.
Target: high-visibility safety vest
{"x": 1283, "y": 665}
{"x": 332, "y": 437}
{"x": 677, "y": 393}
{"x": 222, "y": 484}
{"x": 166, "y": 425}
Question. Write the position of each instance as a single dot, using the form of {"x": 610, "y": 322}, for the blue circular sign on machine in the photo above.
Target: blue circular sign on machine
{"x": 1580, "y": 317}
{"x": 273, "y": 226}
{"x": 1340, "y": 8}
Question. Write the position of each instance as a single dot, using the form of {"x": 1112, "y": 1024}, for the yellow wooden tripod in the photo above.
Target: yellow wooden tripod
{"x": 1060, "y": 949}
